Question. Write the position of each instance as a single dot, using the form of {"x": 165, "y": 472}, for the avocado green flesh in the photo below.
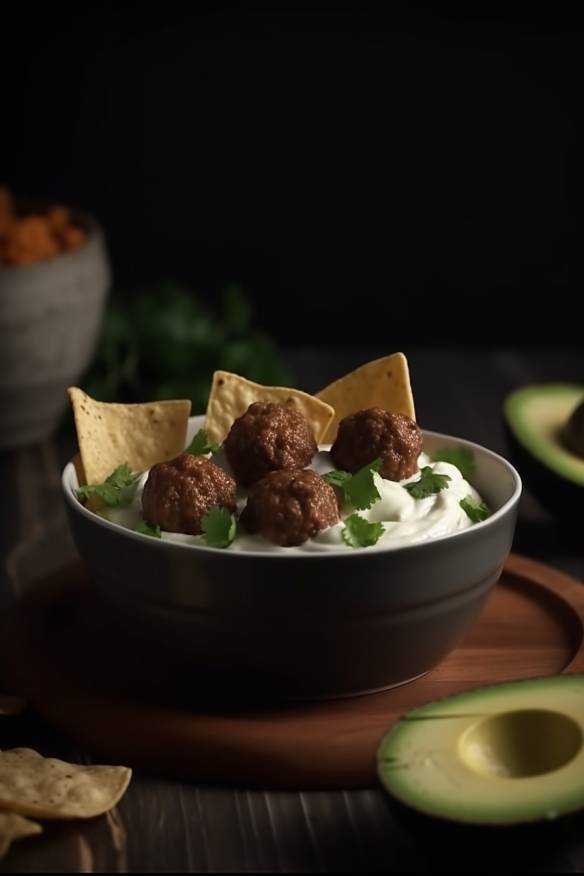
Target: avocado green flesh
{"x": 507, "y": 754}
{"x": 537, "y": 415}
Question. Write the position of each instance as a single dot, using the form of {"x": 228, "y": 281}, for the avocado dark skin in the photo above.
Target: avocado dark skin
{"x": 562, "y": 498}
{"x": 573, "y": 434}
{"x": 550, "y": 464}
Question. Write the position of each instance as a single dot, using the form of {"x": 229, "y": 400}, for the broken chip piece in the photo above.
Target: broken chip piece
{"x": 44, "y": 787}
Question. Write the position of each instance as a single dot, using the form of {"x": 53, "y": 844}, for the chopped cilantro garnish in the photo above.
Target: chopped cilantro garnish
{"x": 359, "y": 489}
{"x": 461, "y": 457}
{"x": 475, "y": 508}
{"x": 358, "y": 532}
{"x": 148, "y": 529}
{"x": 117, "y": 490}
{"x": 337, "y": 478}
{"x": 201, "y": 446}
{"x": 219, "y": 527}
{"x": 428, "y": 484}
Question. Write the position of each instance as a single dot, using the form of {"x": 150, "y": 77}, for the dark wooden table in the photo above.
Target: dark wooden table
{"x": 168, "y": 826}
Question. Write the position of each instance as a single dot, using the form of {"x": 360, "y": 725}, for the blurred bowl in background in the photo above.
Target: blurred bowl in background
{"x": 50, "y": 317}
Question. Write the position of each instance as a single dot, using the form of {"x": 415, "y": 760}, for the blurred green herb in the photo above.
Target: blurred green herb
{"x": 164, "y": 342}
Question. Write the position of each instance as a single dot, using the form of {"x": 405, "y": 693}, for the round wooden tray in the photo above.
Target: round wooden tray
{"x": 60, "y": 650}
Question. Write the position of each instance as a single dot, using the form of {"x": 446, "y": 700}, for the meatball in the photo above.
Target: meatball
{"x": 268, "y": 437}
{"x": 289, "y": 507}
{"x": 367, "y": 435}
{"x": 178, "y": 493}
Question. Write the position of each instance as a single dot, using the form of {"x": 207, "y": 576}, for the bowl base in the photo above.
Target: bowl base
{"x": 531, "y": 626}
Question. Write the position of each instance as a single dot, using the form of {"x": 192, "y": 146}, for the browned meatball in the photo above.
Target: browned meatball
{"x": 367, "y": 435}
{"x": 268, "y": 437}
{"x": 178, "y": 493}
{"x": 289, "y": 507}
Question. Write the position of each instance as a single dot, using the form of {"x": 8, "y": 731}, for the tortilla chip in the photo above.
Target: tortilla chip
{"x": 13, "y": 827}
{"x": 79, "y": 470}
{"x": 140, "y": 435}
{"x": 383, "y": 383}
{"x": 231, "y": 395}
{"x": 45, "y": 787}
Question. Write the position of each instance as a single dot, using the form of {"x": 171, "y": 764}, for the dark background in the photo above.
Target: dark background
{"x": 408, "y": 177}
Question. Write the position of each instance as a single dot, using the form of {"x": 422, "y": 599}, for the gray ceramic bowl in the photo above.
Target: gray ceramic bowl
{"x": 313, "y": 625}
{"x": 50, "y": 315}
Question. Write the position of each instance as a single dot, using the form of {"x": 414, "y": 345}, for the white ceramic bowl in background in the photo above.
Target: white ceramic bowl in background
{"x": 50, "y": 316}
{"x": 311, "y": 625}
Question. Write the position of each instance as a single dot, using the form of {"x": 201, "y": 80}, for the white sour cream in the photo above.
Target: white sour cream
{"x": 405, "y": 520}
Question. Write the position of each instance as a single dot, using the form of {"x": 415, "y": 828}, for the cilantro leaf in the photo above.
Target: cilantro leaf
{"x": 201, "y": 446}
{"x": 219, "y": 527}
{"x": 147, "y": 529}
{"x": 428, "y": 484}
{"x": 475, "y": 509}
{"x": 117, "y": 490}
{"x": 358, "y": 532}
{"x": 337, "y": 478}
{"x": 461, "y": 457}
{"x": 359, "y": 489}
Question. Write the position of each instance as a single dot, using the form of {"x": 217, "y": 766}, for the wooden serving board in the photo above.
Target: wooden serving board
{"x": 60, "y": 651}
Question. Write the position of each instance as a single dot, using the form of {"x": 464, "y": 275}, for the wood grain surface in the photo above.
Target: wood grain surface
{"x": 532, "y": 625}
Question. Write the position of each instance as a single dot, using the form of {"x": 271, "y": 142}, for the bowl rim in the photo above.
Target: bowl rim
{"x": 274, "y": 556}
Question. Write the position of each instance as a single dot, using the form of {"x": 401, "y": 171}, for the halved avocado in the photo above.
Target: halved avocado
{"x": 508, "y": 754}
{"x": 543, "y": 427}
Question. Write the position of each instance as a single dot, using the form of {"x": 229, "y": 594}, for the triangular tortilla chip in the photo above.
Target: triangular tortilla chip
{"x": 231, "y": 395}
{"x": 383, "y": 383}
{"x": 141, "y": 435}
{"x": 79, "y": 471}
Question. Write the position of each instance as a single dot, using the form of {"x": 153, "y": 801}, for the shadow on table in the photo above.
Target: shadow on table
{"x": 550, "y": 542}
{"x": 448, "y": 847}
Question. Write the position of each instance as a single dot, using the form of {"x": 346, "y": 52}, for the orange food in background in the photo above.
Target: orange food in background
{"x": 38, "y": 236}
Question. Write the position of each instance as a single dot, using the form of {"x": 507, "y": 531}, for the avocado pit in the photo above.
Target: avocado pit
{"x": 521, "y": 744}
